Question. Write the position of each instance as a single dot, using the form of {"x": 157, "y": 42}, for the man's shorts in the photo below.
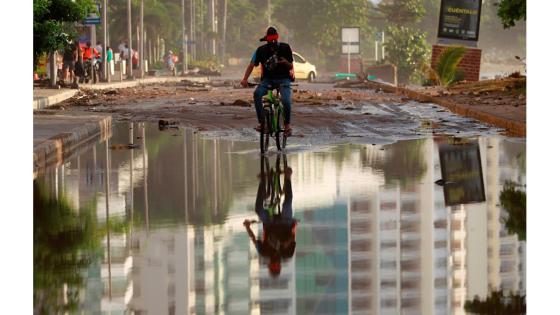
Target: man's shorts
{"x": 68, "y": 65}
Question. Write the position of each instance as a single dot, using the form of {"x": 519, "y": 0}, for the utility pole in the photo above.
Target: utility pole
{"x": 212, "y": 13}
{"x": 183, "y": 39}
{"x": 192, "y": 28}
{"x": 224, "y": 25}
{"x": 141, "y": 46}
{"x": 129, "y": 61}
{"x": 269, "y": 13}
{"x": 106, "y": 75}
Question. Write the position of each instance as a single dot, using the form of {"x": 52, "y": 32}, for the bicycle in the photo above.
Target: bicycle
{"x": 273, "y": 110}
{"x": 273, "y": 190}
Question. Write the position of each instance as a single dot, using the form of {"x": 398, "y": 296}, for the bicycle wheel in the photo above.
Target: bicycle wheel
{"x": 278, "y": 128}
{"x": 265, "y": 132}
{"x": 284, "y": 135}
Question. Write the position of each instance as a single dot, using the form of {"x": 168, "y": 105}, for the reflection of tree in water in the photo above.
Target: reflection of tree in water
{"x": 514, "y": 155}
{"x": 498, "y": 304}
{"x": 513, "y": 201}
{"x": 402, "y": 162}
{"x": 65, "y": 243}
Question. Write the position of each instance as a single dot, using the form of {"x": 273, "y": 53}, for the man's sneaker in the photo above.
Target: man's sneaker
{"x": 259, "y": 127}
{"x": 288, "y": 130}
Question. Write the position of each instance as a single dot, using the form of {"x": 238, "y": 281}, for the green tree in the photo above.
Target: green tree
{"x": 52, "y": 23}
{"x": 407, "y": 49}
{"x": 511, "y": 11}
{"x": 514, "y": 202}
{"x": 406, "y": 44}
{"x": 65, "y": 243}
{"x": 316, "y": 25}
{"x": 497, "y": 304}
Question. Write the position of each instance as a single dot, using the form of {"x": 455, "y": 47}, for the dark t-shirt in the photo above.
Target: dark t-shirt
{"x": 264, "y": 54}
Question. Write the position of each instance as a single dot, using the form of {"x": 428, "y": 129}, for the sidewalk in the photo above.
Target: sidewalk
{"x": 43, "y": 98}
{"x": 58, "y": 137}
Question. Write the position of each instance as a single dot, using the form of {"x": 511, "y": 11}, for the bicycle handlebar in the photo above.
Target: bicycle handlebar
{"x": 251, "y": 84}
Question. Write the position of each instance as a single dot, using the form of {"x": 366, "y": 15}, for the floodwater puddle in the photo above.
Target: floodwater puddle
{"x": 181, "y": 224}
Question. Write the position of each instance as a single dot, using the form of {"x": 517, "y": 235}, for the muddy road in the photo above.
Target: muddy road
{"x": 321, "y": 113}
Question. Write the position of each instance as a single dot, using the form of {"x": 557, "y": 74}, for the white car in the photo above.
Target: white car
{"x": 302, "y": 68}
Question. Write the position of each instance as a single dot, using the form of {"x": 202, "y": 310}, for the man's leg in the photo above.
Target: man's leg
{"x": 260, "y": 91}
{"x": 286, "y": 97}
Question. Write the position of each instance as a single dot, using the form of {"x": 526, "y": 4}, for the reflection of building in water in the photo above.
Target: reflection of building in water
{"x": 399, "y": 249}
{"x": 484, "y": 256}
{"x": 363, "y": 246}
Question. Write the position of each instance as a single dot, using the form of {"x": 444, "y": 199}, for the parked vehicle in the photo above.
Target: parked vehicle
{"x": 303, "y": 70}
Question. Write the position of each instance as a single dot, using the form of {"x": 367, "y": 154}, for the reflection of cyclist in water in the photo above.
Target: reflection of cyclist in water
{"x": 279, "y": 227}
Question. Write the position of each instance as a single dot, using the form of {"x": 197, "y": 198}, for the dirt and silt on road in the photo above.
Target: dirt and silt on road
{"x": 321, "y": 113}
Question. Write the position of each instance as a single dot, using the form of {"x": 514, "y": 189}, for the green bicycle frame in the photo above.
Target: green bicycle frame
{"x": 278, "y": 110}
{"x": 278, "y": 192}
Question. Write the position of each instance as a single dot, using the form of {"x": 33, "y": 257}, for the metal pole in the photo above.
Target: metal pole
{"x": 348, "y": 51}
{"x": 269, "y": 13}
{"x": 141, "y": 46}
{"x": 107, "y": 214}
{"x": 104, "y": 54}
{"x": 184, "y": 44}
{"x": 224, "y": 24}
{"x": 129, "y": 62}
{"x": 382, "y": 45}
{"x": 376, "y": 48}
{"x": 92, "y": 41}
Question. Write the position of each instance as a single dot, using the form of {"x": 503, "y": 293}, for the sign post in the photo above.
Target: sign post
{"x": 350, "y": 42}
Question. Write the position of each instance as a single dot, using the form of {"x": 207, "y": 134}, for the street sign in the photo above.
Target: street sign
{"x": 378, "y": 36}
{"x": 459, "y": 19}
{"x": 92, "y": 21}
{"x": 350, "y": 40}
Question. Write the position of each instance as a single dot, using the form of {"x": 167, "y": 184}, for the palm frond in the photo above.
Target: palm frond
{"x": 446, "y": 67}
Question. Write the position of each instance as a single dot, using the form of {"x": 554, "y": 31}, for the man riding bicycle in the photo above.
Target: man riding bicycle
{"x": 276, "y": 61}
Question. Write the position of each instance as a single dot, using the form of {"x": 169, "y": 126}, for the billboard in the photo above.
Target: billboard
{"x": 459, "y": 19}
{"x": 461, "y": 170}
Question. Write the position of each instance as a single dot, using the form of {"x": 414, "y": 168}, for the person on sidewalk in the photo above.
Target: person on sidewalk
{"x": 68, "y": 60}
{"x": 99, "y": 47}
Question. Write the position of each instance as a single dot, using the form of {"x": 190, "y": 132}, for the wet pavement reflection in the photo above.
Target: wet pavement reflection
{"x": 181, "y": 224}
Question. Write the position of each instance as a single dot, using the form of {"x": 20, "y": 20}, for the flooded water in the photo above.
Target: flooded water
{"x": 190, "y": 225}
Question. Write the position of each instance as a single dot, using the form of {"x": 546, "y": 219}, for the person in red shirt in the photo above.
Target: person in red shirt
{"x": 89, "y": 51}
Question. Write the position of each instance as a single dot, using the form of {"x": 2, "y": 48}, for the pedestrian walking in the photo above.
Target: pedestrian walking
{"x": 78, "y": 64}
{"x": 99, "y": 47}
{"x": 68, "y": 61}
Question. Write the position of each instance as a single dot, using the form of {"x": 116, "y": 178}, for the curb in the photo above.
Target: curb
{"x": 56, "y": 149}
{"x": 42, "y": 102}
{"x": 514, "y": 128}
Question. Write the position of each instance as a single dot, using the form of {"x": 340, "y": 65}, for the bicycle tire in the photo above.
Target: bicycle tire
{"x": 277, "y": 130}
{"x": 284, "y": 135}
{"x": 264, "y": 139}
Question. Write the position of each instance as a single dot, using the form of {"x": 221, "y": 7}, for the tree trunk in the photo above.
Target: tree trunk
{"x": 53, "y": 68}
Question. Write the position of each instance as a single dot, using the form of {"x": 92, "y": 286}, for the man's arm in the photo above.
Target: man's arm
{"x": 288, "y": 59}
{"x": 247, "y": 225}
{"x": 247, "y": 74}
